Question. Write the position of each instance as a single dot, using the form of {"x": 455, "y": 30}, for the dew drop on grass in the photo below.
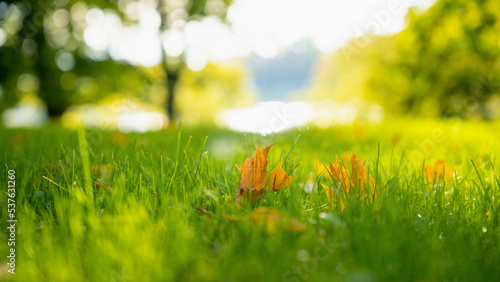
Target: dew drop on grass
{"x": 419, "y": 215}
{"x": 441, "y": 236}
{"x": 312, "y": 220}
{"x": 485, "y": 229}
{"x": 302, "y": 255}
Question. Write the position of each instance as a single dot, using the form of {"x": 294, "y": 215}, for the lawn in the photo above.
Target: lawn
{"x": 108, "y": 206}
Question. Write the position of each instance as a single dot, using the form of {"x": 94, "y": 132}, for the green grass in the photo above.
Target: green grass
{"x": 148, "y": 226}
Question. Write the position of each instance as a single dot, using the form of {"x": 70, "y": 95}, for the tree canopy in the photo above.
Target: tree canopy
{"x": 444, "y": 63}
{"x": 46, "y": 54}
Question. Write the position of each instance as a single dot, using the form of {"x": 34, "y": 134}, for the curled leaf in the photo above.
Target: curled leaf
{"x": 256, "y": 180}
{"x": 339, "y": 174}
{"x": 320, "y": 169}
{"x": 438, "y": 172}
{"x": 361, "y": 178}
{"x": 277, "y": 178}
{"x": 358, "y": 179}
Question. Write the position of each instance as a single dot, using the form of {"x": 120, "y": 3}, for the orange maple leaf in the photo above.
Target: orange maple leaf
{"x": 256, "y": 180}
{"x": 360, "y": 176}
{"x": 438, "y": 171}
{"x": 358, "y": 179}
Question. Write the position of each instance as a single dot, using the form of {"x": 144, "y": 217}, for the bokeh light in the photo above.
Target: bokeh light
{"x": 27, "y": 82}
{"x": 327, "y": 52}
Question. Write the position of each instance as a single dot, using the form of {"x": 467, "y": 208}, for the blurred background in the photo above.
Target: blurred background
{"x": 250, "y": 65}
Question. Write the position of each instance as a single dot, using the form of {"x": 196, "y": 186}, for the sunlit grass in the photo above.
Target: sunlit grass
{"x": 158, "y": 206}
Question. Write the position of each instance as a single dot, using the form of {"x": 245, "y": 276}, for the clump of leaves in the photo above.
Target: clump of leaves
{"x": 439, "y": 171}
{"x": 255, "y": 180}
{"x": 358, "y": 180}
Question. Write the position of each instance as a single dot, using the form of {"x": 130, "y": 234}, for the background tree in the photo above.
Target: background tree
{"x": 43, "y": 56}
{"x": 183, "y": 10}
{"x": 226, "y": 85}
{"x": 45, "y": 53}
{"x": 445, "y": 63}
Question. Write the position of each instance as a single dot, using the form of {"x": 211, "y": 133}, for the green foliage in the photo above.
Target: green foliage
{"x": 32, "y": 48}
{"x": 35, "y": 42}
{"x": 445, "y": 63}
{"x": 143, "y": 221}
{"x": 203, "y": 94}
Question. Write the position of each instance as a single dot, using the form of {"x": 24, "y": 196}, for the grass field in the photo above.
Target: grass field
{"x": 105, "y": 206}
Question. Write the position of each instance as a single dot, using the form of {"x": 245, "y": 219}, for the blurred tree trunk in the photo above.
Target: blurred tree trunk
{"x": 172, "y": 77}
{"x": 45, "y": 71}
{"x": 171, "y": 72}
